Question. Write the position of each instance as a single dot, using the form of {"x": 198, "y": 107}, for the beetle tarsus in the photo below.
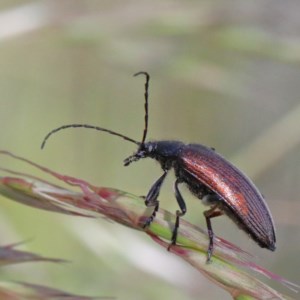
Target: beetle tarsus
{"x": 209, "y": 214}
{"x": 175, "y": 230}
{"x": 179, "y": 214}
{"x": 174, "y": 234}
{"x": 153, "y": 215}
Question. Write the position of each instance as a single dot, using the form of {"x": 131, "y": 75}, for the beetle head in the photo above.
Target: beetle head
{"x": 165, "y": 152}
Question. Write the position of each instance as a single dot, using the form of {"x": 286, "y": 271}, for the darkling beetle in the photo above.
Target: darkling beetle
{"x": 208, "y": 175}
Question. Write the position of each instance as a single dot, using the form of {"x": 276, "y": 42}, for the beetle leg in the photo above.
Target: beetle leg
{"x": 179, "y": 214}
{"x": 209, "y": 214}
{"x": 151, "y": 198}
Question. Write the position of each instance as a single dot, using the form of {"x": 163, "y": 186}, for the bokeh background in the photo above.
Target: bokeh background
{"x": 223, "y": 73}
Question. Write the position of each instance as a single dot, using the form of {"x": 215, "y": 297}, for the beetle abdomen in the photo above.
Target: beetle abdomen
{"x": 242, "y": 200}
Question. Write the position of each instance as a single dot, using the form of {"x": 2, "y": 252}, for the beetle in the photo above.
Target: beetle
{"x": 209, "y": 177}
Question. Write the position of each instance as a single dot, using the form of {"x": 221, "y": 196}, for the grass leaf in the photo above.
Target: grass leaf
{"x": 229, "y": 262}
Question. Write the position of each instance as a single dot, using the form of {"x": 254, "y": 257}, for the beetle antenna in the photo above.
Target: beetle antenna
{"x": 146, "y": 94}
{"x": 146, "y": 104}
{"x": 89, "y": 127}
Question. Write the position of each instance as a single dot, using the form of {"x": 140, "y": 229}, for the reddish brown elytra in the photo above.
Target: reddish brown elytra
{"x": 209, "y": 176}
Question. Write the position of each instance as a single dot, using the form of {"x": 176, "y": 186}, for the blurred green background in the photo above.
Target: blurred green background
{"x": 223, "y": 73}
